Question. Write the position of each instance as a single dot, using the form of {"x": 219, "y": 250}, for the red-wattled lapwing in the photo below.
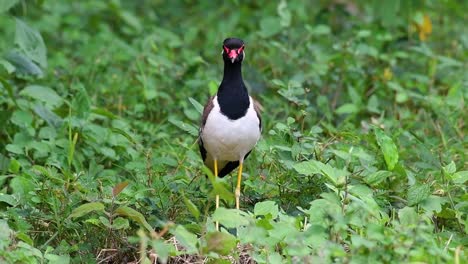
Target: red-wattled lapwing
{"x": 231, "y": 123}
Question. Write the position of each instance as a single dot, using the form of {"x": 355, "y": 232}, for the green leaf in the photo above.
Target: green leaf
{"x": 460, "y": 177}
{"x": 320, "y": 29}
{"x": 50, "y": 117}
{"x": 377, "y": 177}
{"x": 5, "y": 5}
{"x": 186, "y": 239}
{"x": 163, "y": 249}
{"x": 14, "y": 166}
{"x": 270, "y": 26}
{"x": 218, "y": 187}
{"x": 266, "y": 207}
{"x": 433, "y": 203}
{"x": 81, "y": 103}
{"x": 22, "y": 186}
{"x": 23, "y": 65}
{"x": 134, "y": 215}
{"x": 7, "y": 65}
{"x": 388, "y": 148}
{"x": 31, "y": 43}
{"x": 87, "y": 208}
{"x": 387, "y": 11}
{"x": 197, "y": 105}
{"x": 408, "y": 216}
{"x": 192, "y": 130}
{"x": 120, "y": 223}
{"x": 417, "y": 193}
{"x": 336, "y": 176}
{"x": 347, "y": 109}
{"x": 131, "y": 20}
{"x": 220, "y": 242}
{"x": 21, "y": 118}
{"x": 191, "y": 207}
{"x": 450, "y": 168}
{"x": 57, "y": 259}
{"x": 230, "y": 218}
{"x": 44, "y": 94}
{"x": 9, "y": 199}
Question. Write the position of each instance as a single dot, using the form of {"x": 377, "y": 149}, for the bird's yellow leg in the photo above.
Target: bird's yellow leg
{"x": 217, "y": 195}
{"x": 239, "y": 178}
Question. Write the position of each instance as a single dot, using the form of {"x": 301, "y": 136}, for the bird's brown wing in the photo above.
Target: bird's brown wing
{"x": 206, "y": 110}
{"x": 258, "y": 109}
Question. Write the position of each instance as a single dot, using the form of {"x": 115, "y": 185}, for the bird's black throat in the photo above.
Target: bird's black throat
{"x": 233, "y": 98}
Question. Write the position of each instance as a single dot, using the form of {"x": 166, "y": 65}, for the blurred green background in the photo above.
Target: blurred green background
{"x": 363, "y": 155}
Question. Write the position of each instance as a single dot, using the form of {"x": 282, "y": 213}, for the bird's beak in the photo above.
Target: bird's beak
{"x": 233, "y": 55}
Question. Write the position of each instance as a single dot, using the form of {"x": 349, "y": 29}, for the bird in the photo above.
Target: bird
{"x": 231, "y": 124}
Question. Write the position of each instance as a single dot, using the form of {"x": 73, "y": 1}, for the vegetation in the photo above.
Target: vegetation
{"x": 362, "y": 159}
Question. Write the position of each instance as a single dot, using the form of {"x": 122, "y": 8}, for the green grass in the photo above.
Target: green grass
{"x": 362, "y": 158}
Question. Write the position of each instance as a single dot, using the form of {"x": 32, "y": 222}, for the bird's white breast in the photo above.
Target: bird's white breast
{"x": 230, "y": 140}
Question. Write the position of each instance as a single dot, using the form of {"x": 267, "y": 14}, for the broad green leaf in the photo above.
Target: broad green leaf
{"x": 186, "y": 239}
{"x": 220, "y": 242}
{"x": 450, "y": 168}
{"x": 120, "y": 223}
{"x": 21, "y": 118}
{"x": 134, "y": 215}
{"x": 31, "y": 250}
{"x": 417, "y": 193}
{"x": 163, "y": 249}
{"x": 9, "y": 199}
{"x": 388, "y": 148}
{"x": 433, "y": 203}
{"x": 336, "y": 176}
{"x": 266, "y": 207}
{"x": 387, "y": 12}
{"x": 230, "y": 218}
{"x": 270, "y": 26}
{"x": 5, "y": 5}
{"x": 5, "y": 230}
{"x": 22, "y": 186}
{"x": 50, "y": 117}
{"x": 408, "y": 216}
{"x": 14, "y": 166}
{"x": 57, "y": 259}
{"x": 460, "y": 177}
{"x": 31, "y": 43}
{"x": 87, "y": 208}
{"x": 43, "y": 94}
{"x": 377, "y": 177}
{"x": 320, "y": 29}
{"x": 347, "y": 109}
{"x": 24, "y": 66}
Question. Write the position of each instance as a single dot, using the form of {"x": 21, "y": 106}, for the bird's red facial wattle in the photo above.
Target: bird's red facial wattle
{"x": 233, "y": 53}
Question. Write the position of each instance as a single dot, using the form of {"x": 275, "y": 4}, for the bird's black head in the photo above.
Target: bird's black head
{"x": 233, "y": 50}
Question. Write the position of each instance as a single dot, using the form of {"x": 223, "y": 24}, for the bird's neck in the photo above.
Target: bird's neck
{"x": 233, "y": 97}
